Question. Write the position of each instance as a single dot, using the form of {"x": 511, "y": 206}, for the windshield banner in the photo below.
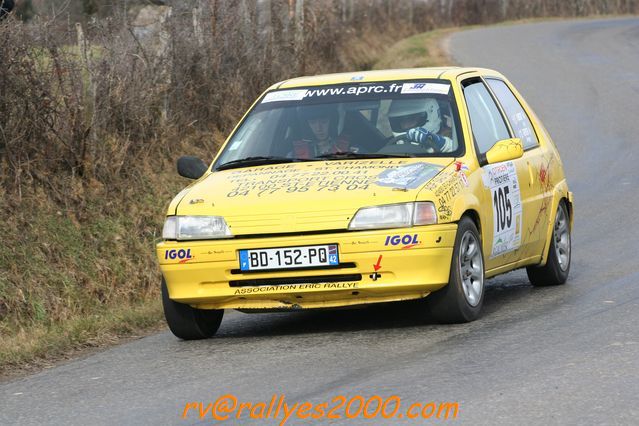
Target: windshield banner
{"x": 358, "y": 91}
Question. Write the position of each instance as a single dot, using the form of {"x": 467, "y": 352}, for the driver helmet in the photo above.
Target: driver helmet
{"x": 422, "y": 112}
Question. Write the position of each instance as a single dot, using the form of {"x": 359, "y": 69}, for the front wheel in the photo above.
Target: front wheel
{"x": 555, "y": 271}
{"x": 461, "y": 300}
{"x": 189, "y": 323}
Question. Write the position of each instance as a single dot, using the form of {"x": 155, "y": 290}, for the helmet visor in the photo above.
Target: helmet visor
{"x": 405, "y": 122}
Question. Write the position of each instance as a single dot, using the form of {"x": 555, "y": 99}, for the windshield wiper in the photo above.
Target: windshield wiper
{"x": 256, "y": 161}
{"x": 356, "y": 155}
{"x": 263, "y": 160}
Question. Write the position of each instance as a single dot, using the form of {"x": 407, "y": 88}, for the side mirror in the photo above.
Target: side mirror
{"x": 191, "y": 167}
{"x": 505, "y": 150}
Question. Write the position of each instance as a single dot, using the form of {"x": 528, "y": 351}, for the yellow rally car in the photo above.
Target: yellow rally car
{"x": 357, "y": 188}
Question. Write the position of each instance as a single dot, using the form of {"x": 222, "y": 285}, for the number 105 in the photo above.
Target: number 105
{"x": 503, "y": 208}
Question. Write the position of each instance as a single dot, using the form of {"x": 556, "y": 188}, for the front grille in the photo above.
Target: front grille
{"x": 291, "y": 234}
{"x": 258, "y": 271}
{"x": 296, "y": 280}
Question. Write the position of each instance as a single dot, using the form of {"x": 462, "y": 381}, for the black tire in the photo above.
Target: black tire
{"x": 557, "y": 267}
{"x": 189, "y": 323}
{"x": 451, "y": 303}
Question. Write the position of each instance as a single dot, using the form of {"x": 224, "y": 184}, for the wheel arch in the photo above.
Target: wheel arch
{"x": 473, "y": 215}
{"x": 568, "y": 200}
{"x": 560, "y": 194}
{"x": 468, "y": 205}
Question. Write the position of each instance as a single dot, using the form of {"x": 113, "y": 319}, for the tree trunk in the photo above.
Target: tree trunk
{"x": 299, "y": 36}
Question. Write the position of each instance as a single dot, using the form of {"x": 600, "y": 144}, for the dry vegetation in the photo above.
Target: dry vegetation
{"x": 93, "y": 120}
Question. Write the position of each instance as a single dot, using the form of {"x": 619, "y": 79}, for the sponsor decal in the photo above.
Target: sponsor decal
{"x": 296, "y": 287}
{"x": 331, "y": 176}
{"x": 361, "y": 242}
{"x": 410, "y": 176}
{"x": 378, "y": 265}
{"x": 464, "y": 179}
{"x": 407, "y": 240}
{"x": 461, "y": 167}
{"x": 436, "y": 88}
{"x": 445, "y": 187}
{"x": 285, "y": 95}
{"x": 543, "y": 173}
{"x": 184, "y": 255}
{"x": 461, "y": 170}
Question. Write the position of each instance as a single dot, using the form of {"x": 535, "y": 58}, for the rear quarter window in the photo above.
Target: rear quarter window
{"x": 517, "y": 117}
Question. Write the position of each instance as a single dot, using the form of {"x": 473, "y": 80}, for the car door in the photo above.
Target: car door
{"x": 506, "y": 189}
{"x": 537, "y": 165}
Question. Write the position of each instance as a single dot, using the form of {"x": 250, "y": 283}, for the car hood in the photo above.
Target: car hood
{"x": 306, "y": 196}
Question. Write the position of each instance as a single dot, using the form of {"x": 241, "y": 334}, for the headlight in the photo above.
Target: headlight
{"x": 394, "y": 216}
{"x": 195, "y": 228}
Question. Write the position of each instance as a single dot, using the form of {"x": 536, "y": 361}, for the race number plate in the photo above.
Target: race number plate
{"x": 289, "y": 257}
{"x": 507, "y": 212}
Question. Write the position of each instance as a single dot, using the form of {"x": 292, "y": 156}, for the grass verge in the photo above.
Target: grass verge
{"x": 78, "y": 269}
{"x": 40, "y": 346}
{"x": 421, "y": 50}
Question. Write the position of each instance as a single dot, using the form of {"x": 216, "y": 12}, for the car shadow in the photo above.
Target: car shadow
{"x": 501, "y": 293}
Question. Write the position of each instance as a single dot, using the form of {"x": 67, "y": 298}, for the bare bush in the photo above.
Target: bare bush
{"x": 90, "y": 105}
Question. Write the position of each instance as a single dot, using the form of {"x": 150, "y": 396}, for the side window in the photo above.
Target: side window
{"x": 485, "y": 119}
{"x": 517, "y": 117}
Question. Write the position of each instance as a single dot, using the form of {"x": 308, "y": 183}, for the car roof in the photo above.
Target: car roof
{"x": 447, "y": 73}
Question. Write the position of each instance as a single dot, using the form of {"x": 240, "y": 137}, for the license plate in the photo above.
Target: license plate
{"x": 289, "y": 257}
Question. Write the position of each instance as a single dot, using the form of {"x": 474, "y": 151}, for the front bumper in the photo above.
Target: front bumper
{"x": 206, "y": 274}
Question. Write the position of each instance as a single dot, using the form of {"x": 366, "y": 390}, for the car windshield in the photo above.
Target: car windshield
{"x": 356, "y": 120}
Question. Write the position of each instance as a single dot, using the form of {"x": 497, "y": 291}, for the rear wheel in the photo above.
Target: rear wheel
{"x": 555, "y": 271}
{"x": 189, "y": 323}
{"x": 461, "y": 300}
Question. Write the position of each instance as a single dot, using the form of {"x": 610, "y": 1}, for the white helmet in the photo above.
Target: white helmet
{"x": 424, "y": 111}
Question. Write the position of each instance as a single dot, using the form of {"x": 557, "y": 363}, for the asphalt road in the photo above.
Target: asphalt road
{"x": 566, "y": 355}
